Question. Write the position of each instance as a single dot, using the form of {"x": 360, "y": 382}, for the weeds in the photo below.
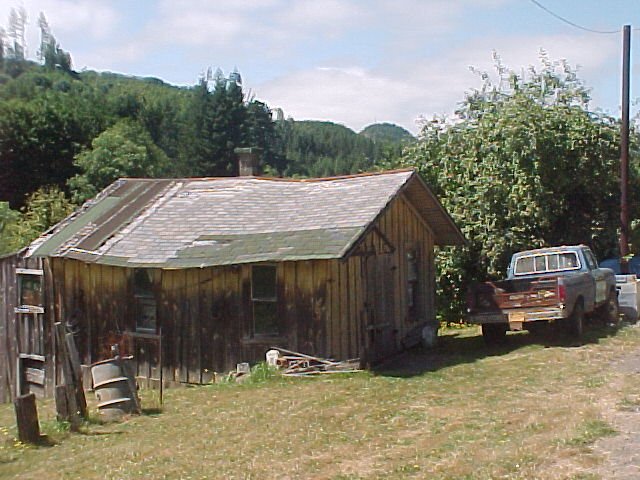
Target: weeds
{"x": 591, "y": 431}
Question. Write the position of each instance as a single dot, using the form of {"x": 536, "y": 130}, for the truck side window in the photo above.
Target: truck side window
{"x": 591, "y": 261}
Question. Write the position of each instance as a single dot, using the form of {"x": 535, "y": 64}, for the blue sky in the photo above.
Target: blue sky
{"x": 353, "y": 62}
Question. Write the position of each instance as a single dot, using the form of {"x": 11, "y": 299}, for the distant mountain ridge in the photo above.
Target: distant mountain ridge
{"x": 387, "y": 133}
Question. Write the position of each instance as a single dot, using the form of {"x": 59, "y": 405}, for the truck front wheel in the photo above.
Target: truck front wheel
{"x": 494, "y": 333}
{"x": 609, "y": 312}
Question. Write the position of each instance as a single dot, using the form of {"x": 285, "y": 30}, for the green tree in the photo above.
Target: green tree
{"x": 260, "y": 131}
{"x": 39, "y": 138}
{"x": 525, "y": 164}
{"x": 3, "y": 40}
{"x": 44, "y": 208}
{"x": 123, "y": 150}
{"x": 229, "y": 115}
{"x": 8, "y": 221}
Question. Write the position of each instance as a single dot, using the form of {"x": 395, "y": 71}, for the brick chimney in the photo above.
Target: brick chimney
{"x": 248, "y": 161}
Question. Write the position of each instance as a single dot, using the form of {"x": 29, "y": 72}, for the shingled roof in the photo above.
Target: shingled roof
{"x": 180, "y": 223}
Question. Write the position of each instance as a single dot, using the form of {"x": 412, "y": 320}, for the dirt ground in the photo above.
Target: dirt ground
{"x": 621, "y": 453}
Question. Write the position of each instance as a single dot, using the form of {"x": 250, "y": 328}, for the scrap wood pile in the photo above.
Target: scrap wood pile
{"x": 295, "y": 364}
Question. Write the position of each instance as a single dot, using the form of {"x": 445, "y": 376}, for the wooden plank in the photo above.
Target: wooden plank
{"x": 34, "y": 375}
{"x": 193, "y": 293}
{"x": 357, "y": 304}
{"x": 33, "y": 356}
{"x": 353, "y": 307}
{"x": 245, "y": 324}
{"x": 182, "y": 326}
{"x": 320, "y": 306}
{"x": 306, "y": 324}
{"x": 13, "y": 334}
{"x": 67, "y": 407}
{"x": 336, "y": 309}
{"x": 218, "y": 319}
{"x": 74, "y": 358}
{"x": 205, "y": 335}
{"x": 344, "y": 310}
{"x": 167, "y": 318}
{"x": 69, "y": 370}
{"x": 29, "y": 271}
{"x": 89, "y": 275}
{"x": 289, "y": 300}
{"x": 27, "y": 418}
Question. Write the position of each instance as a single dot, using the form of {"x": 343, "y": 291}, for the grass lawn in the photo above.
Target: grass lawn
{"x": 531, "y": 409}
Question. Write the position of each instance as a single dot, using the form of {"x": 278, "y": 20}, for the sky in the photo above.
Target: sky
{"x": 353, "y": 62}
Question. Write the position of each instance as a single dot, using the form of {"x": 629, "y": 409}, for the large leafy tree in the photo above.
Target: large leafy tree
{"x": 123, "y": 150}
{"x": 39, "y": 138}
{"x": 524, "y": 164}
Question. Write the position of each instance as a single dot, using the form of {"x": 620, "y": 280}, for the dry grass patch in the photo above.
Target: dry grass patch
{"x": 527, "y": 411}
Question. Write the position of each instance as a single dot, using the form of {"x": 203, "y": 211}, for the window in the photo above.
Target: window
{"x": 412, "y": 280}
{"x": 145, "y": 301}
{"x": 548, "y": 262}
{"x": 30, "y": 297}
{"x": 264, "y": 298}
{"x": 591, "y": 260}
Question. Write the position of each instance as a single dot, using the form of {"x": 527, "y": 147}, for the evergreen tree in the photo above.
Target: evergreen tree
{"x": 16, "y": 31}
{"x": 3, "y": 40}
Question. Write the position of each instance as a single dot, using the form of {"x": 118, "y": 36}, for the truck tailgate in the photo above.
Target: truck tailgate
{"x": 541, "y": 293}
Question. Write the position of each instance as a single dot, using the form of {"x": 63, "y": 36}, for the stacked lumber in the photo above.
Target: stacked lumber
{"x": 295, "y": 364}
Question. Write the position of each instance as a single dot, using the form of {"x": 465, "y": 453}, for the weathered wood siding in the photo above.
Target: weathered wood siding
{"x": 355, "y": 307}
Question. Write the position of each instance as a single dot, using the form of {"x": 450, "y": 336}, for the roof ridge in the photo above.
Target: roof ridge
{"x": 281, "y": 179}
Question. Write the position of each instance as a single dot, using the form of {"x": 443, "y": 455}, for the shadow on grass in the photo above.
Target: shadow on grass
{"x": 45, "y": 441}
{"x": 98, "y": 433}
{"x": 456, "y": 348}
{"x": 152, "y": 411}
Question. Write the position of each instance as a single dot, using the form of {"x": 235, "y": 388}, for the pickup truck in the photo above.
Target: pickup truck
{"x": 544, "y": 286}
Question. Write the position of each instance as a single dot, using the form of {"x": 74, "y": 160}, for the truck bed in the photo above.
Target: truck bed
{"x": 513, "y": 294}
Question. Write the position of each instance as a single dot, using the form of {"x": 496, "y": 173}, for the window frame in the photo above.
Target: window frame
{"x": 144, "y": 299}
{"x": 33, "y": 307}
{"x": 546, "y": 256}
{"x": 271, "y": 300}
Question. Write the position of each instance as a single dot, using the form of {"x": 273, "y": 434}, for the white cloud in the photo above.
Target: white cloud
{"x": 357, "y": 96}
{"x": 66, "y": 18}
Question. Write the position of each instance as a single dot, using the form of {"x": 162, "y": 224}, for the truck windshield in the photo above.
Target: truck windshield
{"x": 546, "y": 262}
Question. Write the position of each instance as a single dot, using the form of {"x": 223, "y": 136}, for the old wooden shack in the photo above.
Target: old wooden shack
{"x": 199, "y": 274}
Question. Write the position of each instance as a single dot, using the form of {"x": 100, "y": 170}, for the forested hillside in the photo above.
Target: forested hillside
{"x": 65, "y": 135}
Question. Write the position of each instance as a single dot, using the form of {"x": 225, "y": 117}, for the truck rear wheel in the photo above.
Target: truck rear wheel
{"x": 494, "y": 333}
{"x": 576, "y": 321}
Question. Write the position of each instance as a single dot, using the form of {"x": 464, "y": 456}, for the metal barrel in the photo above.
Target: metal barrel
{"x": 113, "y": 389}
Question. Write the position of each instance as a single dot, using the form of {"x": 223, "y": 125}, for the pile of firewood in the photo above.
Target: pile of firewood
{"x": 295, "y": 364}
